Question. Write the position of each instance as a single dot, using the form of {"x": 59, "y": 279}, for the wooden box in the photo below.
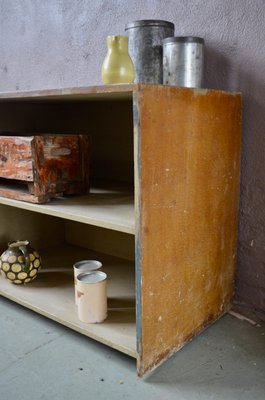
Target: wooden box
{"x": 37, "y": 168}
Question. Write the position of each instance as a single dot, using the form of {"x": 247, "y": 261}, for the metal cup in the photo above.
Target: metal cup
{"x": 92, "y": 296}
{"x": 84, "y": 266}
{"x": 183, "y": 61}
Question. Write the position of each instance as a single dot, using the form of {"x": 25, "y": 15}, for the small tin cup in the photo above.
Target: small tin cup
{"x": 92, "y": 297}
{"x": 84, "y": 266}
{"x": 183, "y": 61}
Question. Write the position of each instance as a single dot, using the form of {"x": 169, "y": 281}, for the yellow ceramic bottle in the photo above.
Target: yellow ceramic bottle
{"x": 117, "y": 66}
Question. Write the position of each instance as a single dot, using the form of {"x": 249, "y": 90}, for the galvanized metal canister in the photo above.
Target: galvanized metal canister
{"x": 145, "y": 48}
{"x": 183, "y": 59}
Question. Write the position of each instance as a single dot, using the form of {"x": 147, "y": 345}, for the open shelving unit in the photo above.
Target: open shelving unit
{"x": 161, "y": 214}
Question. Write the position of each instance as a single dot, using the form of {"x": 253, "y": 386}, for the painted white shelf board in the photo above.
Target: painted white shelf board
{"x": 106, "y": 208}
{"x": 52, "y": 295}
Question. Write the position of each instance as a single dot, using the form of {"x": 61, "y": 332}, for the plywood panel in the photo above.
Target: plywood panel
{"x": 188, "y": 178}
{"x": 110, "y": 125}
{"x": 107, "y": 241}
{"x": 41, "y": 230}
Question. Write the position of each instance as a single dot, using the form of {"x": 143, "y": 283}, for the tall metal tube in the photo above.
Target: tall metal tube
{"x": 145, "y": 48}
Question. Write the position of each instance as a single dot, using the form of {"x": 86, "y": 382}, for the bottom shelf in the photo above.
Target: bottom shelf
{"x": 52, "y": 295}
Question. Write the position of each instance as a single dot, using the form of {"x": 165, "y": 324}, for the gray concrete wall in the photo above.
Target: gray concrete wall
{"x": 61, "y": 43}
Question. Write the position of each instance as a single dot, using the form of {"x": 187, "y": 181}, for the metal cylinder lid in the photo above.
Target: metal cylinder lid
{"x": 183, "y": 39}
{"x": 92, "y": 277}
{"x": 149, "y": 22}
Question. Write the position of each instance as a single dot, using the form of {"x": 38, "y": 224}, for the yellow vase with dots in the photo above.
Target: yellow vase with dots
{"x": 20, "y": 264}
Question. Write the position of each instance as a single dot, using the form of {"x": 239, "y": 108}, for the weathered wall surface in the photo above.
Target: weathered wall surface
{"x": 61, "y": 43}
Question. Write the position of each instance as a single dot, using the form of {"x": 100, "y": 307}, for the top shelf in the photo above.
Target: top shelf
{"x": 98, "y": 93}
{"x": 95, "y": 93}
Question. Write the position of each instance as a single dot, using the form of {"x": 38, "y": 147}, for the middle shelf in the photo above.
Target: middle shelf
{"x": 111, "y": 208}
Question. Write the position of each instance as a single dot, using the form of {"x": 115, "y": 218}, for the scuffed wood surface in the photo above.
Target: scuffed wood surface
{"x": 188, "y": 199}
{"x": 61, "y": 164}
{"x": 16, "y": 158}
{"x": 15, "y": 191}
{"x": 51, "y": 165}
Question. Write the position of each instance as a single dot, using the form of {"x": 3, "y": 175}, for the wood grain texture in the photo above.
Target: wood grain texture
{"x": 61, "y": 164}
{"x": 188, "y": 178}
{"x": 16, "y": 158}
{"x": 50, "y": 165}
{"x": 16, "y": 191}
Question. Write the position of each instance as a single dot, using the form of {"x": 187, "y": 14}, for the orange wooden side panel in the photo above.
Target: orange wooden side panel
{"x": 188, "y": 178}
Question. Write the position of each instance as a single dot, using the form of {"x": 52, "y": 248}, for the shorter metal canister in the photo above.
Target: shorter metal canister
{"x": 183, "y": 59}
{"x": 145, "y": 48}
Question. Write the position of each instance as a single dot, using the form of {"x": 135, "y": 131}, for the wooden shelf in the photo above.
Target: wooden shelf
{"x": 106, "y": 208}
{"x": 52, "y": 295}
{"x": 94, "y": 93}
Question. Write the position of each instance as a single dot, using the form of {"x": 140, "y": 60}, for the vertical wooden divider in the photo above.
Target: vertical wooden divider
{"x": 187, "y": 163}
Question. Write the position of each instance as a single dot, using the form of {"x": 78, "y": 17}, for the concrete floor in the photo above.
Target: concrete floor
{"x": 40, "y": 359}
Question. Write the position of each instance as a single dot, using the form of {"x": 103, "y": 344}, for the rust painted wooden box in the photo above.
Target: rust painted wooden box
{"x": 37, "y": 168}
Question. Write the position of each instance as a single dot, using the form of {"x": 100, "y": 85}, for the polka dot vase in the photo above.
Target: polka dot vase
{"x": 20, "y": 264}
